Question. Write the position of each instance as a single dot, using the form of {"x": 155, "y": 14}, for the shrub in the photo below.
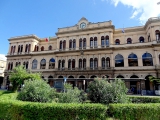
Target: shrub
{"x": 71, "y": 95}
{"x": 36, "y": 91}
{"x": 101, "y": 91}
{"x": 135, "y": 111}
{"x": 144, "y": 99}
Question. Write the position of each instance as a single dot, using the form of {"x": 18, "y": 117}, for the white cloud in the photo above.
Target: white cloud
{"x": 2, "y": 57}
{"x": 142, "y": 9}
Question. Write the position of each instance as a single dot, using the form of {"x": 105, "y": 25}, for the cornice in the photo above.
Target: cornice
{"x": 24, "y": 37}
{"x": 86, "y": 29}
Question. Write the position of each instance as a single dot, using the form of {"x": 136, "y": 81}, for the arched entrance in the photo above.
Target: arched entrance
{"x": 60, "y": 76}
{"x": 147, "y": 82}
{"x": 119, "y": 76}
{"x": 134, "y": 85}
{"x": 50, "y": 81}
{"x": 70, "y": 80}
{"x": 93, "y": 76}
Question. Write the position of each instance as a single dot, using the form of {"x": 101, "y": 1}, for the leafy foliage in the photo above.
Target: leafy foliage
{"x": 36, "y": 91}
{"x": 71, "y": 95}
{"x": 144, "y": 99}
{"x": 19, "y": 74}
{"x": 135, "y": 111}
{"x": 102, "y": 91}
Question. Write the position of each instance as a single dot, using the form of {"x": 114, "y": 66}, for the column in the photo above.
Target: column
{"x": 99, "y": 60}
{"x": 67, "y": 43}
{"x": 56, "y": 63}
{"x": 140, "y": 63}
{"x": 125, "y": 62}
{"x": 99, "y": 40}
{"x": 87, "y": 61}
{"x": 156, "y": 58}
{"x": 88, "y": 42}
{"x": 77, "y": 43}
{"x": 58, "y": 44}
{"x": 112, "y": 60}
{"x": 76, "y": 62}
{"x": 66, "y": 63}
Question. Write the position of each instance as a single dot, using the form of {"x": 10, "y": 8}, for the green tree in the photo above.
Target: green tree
{"x": 102, "y": 91}
{"x": 19, "y": 74}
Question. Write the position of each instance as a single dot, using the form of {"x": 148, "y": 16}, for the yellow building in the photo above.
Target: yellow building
{"x": 88, "y": 50}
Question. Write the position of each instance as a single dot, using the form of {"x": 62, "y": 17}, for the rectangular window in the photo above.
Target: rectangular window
{"x": 107, "y": 42}
{"x": 102, "y": 42}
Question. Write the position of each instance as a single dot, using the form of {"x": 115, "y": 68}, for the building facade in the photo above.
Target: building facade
{"x": 2, "y": 69}
{"x": 88, "y": 50}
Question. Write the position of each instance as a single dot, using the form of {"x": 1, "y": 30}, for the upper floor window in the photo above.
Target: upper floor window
{"x": 149, "y": 38}
{"x": 117, "y": 41}
{"x": 52, "y": 63}
{"x": 147, "y": 59}
{"x": 119, "y": 61}
{"x": 129, "y": 41}
{"x": 157, "y": 32}
{"x": 95, "y": 42}
{"x": 43, "y": 64}
{"x": 42, "y": 48}
{"x": 36, "y": 48}
{"x": 82, "y": 43}
{"x": 105, "y": 41}
{"x": 132, "y": 60}
{"x": 70, "y": 44}
{"x": 26, "y": 49}
{"x": 50, "y": 47}
{"x": 141, "y": 39}
{"x": 91, "y": 42}
{"x": 74, "y": 43}
{"x": 34, "y": 64}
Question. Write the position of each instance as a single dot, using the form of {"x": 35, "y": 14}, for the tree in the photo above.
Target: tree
{"x": 102, "y": 91}
{"x": 19, "y": 74}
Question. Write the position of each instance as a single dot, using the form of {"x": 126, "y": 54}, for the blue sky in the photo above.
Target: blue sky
{"x": 44, "y": 17}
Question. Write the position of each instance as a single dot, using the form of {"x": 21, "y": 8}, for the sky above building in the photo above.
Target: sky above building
{"x": 44, "y": 17}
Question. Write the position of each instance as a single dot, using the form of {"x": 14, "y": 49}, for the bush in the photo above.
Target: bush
{"x": 36, "y": 91}
{"x": 101, "y": 91}
{"x": 144, "y": 99}
{"x": 71, "y": 95}
{"x": 135, "y": 111}
{"x": 18, "y": 110}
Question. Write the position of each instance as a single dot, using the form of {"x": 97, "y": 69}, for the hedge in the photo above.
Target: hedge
{"x": 18, "y": 110}
{"x": 149, "y": 111}
{"x": 144, "y": 99}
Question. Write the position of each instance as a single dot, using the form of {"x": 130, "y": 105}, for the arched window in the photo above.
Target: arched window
{"x": 14, "y": 49}
{"x": 141, "y": 39}
{"x": 74, "y": 43}
{"x": 42, "y": 48}
{"x": 34, "y": 64}
{"x": 11, "y": 50}
{"x": 95, "y": 42}
{"x": 149, "y": 38}
{"x": 117, "y": 42}
{"x": 132, "y": 60}
{"x": 119, "y": 76}
{"x": 26, "y": 49}
{"x": 29, "y": 48}
{"x": 60, "y": 47}
{"x": 11, "y": 67}
{"x": 70, "y": 44}
{"x": 84, "y": 43}
{"x": 157, "y": 32}
{"x": 50, "y": 47}
{"x": 119, "y": 61}
{"x": 16, "y": 64}
{"x": 64, "y": 45}
{"x": 91, "y": 42}
{"x": 107, "y": 40}
{"x": 43, "y": 64}
{"x": 63, "y": 64}
{"x": 93, "y": 76}
{"x": 80, "y": 43}
{"x": 105, "y": 62}
{"x": 91, "y": 63}
{"x": 69, "y": 64}
{"x": 102, "y": 41}
{"x": 21, "y": 48}
{"x": 73, "y": 64}
{"x": 8, "y": 66}
{"x": 80, "y": 63}
{"x": 129, "y": 41}
{"x": 59, "y": 64}
{"x": 147, "y": 59}
{"x": 52, "y": 63}
{"x": 26, "y": 65}
{"x": 84, "y": 63}
{"x": 95, "y": 63}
